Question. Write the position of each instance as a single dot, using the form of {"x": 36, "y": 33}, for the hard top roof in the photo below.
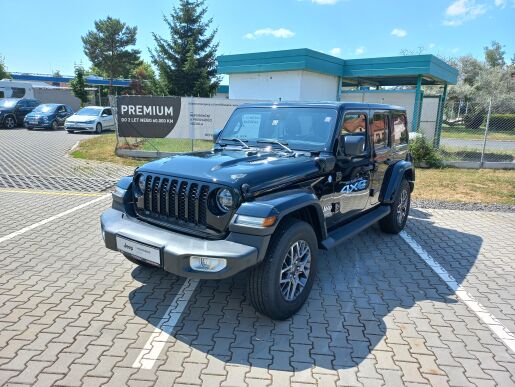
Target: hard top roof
{"x": 324, "y": 104}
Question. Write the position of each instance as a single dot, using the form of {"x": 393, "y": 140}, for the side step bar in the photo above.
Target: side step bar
{"x": 356, "y": 226}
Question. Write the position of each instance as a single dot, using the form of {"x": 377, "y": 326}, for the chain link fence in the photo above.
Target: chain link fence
{"x": 480, "y": 132}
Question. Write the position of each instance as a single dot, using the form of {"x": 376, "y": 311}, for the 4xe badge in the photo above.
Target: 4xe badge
{"x": 357, "y": 185}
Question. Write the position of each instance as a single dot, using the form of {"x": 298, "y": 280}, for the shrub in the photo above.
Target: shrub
{"x": 473, "y": 120}
{"x": 502, "y": 122}
{"x": 424, "y": 154}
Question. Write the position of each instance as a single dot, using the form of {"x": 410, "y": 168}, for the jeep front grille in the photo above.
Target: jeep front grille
{"x": 179, "y": 203}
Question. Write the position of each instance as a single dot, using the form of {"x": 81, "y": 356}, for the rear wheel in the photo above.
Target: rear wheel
{"x": 55, "y": 125}
{"x": 98, "y": 128}
{"x": 10, "y": 122}
{"x": 396, "y": 220}
{"x": 279, "y": 286}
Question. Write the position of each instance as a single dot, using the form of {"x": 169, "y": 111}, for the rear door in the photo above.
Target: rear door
{"x": 379, "y": 130}
{"x": 22, "y": 109}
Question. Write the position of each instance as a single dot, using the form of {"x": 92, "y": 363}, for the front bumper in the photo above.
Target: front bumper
{"x": 46, "y": 125}
{"x": 80, "y": 127}
{"x": 176, "y": 249}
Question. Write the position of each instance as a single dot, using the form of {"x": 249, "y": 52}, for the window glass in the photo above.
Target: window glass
{"x": 303, "y": 128}
{"x": 400, "y": 130}
{"x": 23, "y": 103}
{"x": 108, "y": 112}
{"x": 379, "y": 129}
{"x": 18, "y": 92}
{"x": 354, "y": 123}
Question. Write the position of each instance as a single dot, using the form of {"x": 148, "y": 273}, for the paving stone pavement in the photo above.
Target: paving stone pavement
{"x": 38, "y": 160}
{"x": 75, "y": 313}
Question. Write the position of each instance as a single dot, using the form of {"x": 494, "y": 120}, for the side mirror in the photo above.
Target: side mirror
{"x": 104, "y": 115}
{"x": 216, "y": 134}
{"x": 354, "y": 145}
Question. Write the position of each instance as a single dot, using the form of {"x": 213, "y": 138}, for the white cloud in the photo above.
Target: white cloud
{"x": 359, "y": 51}
{"x": 432, "y": 45}
{"x": 337, "y": 51}
{"x": 399, "y": 32}
{"x": 461, "y": 11}
{"x": 500, "y": 3}
{"x": 283, "y": 33}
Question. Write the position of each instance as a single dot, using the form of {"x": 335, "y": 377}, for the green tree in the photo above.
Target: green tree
{"x": 3, "y": 70}
{"x": 78, "y": 85}
{"x": 187, "y": 60}
{"x": 144, "y": 81}
{"x": 107, "y": 48}
{"x": 494, "y": 55}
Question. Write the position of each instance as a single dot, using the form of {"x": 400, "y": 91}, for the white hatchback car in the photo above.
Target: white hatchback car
{"x": 90, "y": 119}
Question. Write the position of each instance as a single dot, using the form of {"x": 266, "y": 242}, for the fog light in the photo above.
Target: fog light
{"x": 207, "y": 263}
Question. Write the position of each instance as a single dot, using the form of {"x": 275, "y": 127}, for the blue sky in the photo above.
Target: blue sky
{"x": 45, "y": 36}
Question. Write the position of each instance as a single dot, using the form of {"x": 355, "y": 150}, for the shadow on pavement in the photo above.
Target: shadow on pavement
{"x": 358, "y": 286}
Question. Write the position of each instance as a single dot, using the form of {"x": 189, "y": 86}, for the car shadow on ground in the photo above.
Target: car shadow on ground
{"x": 358, "y": 287}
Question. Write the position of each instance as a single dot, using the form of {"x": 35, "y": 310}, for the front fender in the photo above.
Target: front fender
{"x": 280, "y": 204}
{"x": 393, "y": 178}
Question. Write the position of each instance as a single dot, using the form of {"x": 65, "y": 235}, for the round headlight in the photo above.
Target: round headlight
{"x": 224, "y": 199}
{"x": 141, "y": 183}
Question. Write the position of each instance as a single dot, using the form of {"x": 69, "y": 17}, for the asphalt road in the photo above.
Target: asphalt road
{"x": 478, "y": 144}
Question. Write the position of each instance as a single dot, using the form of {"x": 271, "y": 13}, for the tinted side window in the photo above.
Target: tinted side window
{"x": 18, "y": 92}
{"x": 108, "y": 112}
{"x": 379, "y": 128}
{"x": 23, "y": 104}
{"x": 400, "y": 129}
{"x": 354, "y": 124}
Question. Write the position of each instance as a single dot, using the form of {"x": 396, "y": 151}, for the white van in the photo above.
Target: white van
{"x": 38, "y": 90}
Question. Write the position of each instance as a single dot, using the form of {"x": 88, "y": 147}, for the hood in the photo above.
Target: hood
{"x": 77, "y": 118}
{"x": 260, "y": 170}
{"x": 6, "y": 110}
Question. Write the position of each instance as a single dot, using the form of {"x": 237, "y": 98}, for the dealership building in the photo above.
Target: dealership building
{"x": 307, "y": 75}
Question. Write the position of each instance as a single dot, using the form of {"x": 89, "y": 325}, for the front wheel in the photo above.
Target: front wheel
{"x": 396, "y": 220}
{"x": 98, "y": 128}
{"x": 10, "y": 122}
{"x": 279, "y": 286}
{"x": 55, "y": 125}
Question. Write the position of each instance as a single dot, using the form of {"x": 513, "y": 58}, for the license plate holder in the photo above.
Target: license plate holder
{"x": 140, "y": 251}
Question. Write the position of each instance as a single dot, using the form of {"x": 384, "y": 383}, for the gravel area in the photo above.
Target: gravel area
{"x": 438, "y": 204}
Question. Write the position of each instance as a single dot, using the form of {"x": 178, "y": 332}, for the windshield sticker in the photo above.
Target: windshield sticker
{"x": 275, "y": 122}
{"x": 328, "y": 119}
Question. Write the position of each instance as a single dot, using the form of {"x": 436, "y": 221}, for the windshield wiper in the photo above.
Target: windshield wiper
{"x": 281, "y": 144}
{"x": 234, "y": 139}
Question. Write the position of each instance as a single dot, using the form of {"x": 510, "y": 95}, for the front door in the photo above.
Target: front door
{"x": 352, "y": 174}
{"x": 379, "y": 129}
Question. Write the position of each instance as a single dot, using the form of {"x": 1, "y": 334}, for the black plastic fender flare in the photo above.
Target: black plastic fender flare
{"x": 280, "y": 204}
{"x": 393, "y": 178}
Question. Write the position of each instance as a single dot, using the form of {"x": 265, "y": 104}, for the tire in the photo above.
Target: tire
{"x": 55, "y": 125}
{"x": 30, "y": 127}
{"x": 70, "y": 131}
{"x": 98, "y": 128}
{"x": 138, "y": 262}
{"x": 268, "y": 288}
{"x": 9, "y": 122}
{"x": 396, "y": 220}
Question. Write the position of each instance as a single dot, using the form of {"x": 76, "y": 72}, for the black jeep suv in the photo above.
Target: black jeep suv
{"x": 282, "y": 181}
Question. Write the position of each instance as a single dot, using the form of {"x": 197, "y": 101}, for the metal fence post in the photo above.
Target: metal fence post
{"x": 486, "y": 132}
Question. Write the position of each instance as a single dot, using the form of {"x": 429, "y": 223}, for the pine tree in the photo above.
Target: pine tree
{"x": 78, "y": 85}
{"x": 187, "y": 60}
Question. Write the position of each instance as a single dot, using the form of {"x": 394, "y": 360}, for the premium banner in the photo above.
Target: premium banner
{"x": 172, "y": 117}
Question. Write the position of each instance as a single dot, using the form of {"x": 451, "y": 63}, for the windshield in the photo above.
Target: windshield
{"x": 45, "y": 109}
{"x": 8, "y": 103}
{"x": 302, "y": 128}
{"x": 88, "y": 112}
